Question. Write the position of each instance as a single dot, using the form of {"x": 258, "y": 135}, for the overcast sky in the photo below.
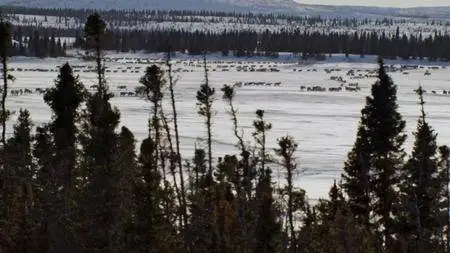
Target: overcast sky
{"x": 385, "y": 3}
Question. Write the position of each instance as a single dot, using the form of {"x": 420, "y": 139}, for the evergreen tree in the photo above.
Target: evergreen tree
{"x": 44, "y": 214}
{"x": 99, "y": 149}
{"x": 268, "y": 228}
{"x": 5, "y": 187}
{"x": 205, "y": 98}
{"x": 125, "y": 203}
{"x": 377, "y": 158}
{"x": 201, "y": 233}
{"x": 421, "y": 188}
{"x": 246, "y": 173}
{"x": 444, "y": 168}
{"x": 356, "y": 178}
{"x": 64, "y": 99}
{"x": 153, "y": 226}
{"x": 94, "y": 31}
{"x": 286, "y": 151}
{"x": 5, "y": 46}
{"x": 177, "y": 137}
{"x": 99, "y": 142}
{"x": 18, "y": 189}
{"x": 154, "y": 82}
{"x": 261, "y": 129}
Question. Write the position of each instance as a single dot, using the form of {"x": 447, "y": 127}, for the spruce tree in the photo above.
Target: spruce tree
{"x": 177, "y": 136}
{"x": 94, "y": 31}
{"x": 205, "y": 99}
{"x": 153, "y": 225}
{"x": 45, "y": 188}
{"x": 334, "y": 228}
{"x": 356, "y": 178}
{"x": 268, "y": 227}
{"x": 200, "y": 232}
{"x": 421, "y": 188}
{"x": 229, "y": 228}
{"x": 5, "y": 46}
{"x": 260, "y": 135}
{"x": 18, "y": 189}
{"x": 5, "y": 42}
{"x": 126, "y": 175}
{"x": 64, "y": 99}
{"x": 286, "y": 151}
{"x": 246, "y": 173}
{"x": 99, "y": 143}
{"x": 444, "y": 168}
{"x": 154, "y": 82}
{"x": 372, "y": 170}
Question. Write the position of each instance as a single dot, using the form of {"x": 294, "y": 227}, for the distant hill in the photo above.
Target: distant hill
{"x": 264, "y": 6}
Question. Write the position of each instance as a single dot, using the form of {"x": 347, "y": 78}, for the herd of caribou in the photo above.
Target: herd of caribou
{"x": 345, "y": 80}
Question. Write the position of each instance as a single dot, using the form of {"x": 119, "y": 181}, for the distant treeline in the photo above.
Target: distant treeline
{"x": 43, "y": 42}
{"x": 35, "y": 40}
{"x": 134, "y": 16}
{"x": 306, "y": 44}
{"x": 37, "y": 43}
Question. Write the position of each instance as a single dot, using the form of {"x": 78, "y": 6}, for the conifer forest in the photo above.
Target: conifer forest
{"x": 82, "y": 182}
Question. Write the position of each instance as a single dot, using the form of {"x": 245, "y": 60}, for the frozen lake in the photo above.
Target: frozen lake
{"x": 323, "y": 123}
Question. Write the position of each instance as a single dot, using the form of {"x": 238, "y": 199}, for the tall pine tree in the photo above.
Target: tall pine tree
{"x": 18, "y": 190}
{"x": 99, "y": 150}
{"x": 371, "y": 173}
{"x": 64, "y": 99}
{"x": 421, "y": 189}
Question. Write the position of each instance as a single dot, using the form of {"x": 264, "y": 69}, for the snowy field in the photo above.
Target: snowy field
{"x": 323, "y": 122}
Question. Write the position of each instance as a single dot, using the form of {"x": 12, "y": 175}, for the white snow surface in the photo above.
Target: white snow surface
{"x": 323, "y": 123}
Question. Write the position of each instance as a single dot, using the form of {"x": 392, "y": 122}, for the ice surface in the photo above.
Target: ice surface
{"x": 323, "y": 123}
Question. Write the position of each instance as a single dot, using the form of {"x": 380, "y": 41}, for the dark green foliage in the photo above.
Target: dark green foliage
{"x": 64, "y": 99}
{"x": 268, "y": 236}
{"x": 99, "y": 143}
{"x": 16, "y": 218}
{"x": 94, "y": 27}
{"x": 125, "y": 173}
{"x": 5, "y": 46}
{"x": 56, "y": 151}
{"x": 94, "y": 30}
{"x": 444, "y": 216}
{"x": 153, "y": 81}
{"x": 356, "y": 180}
{"x": 421, "y": 189}
{"x": 331, "y": 228}
{"x": 371, "y": 172}
{"x": 201, "y": 233}
{"x": 261, "y": 129}
{"x": 286, "y": 151}
{"x": 385, "y": 135}
{"x": 205, "y": 99}
{"x": 44, "y": 210}
{"x": 268, "y": 227}
{"x": 153, "y": 227}
{"x": 102, "y": 199}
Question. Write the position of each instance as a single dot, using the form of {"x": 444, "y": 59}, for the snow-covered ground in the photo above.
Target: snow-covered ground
{"x": 323, "y": 123}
